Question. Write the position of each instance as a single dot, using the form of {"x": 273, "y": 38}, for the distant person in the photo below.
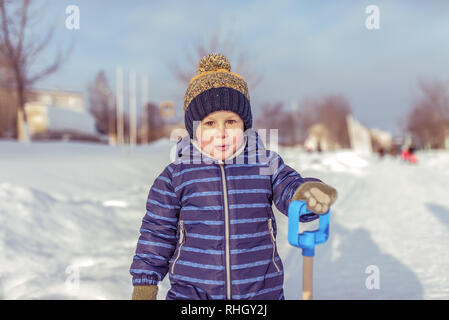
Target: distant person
{"x": 405, "y": 154}
{"x": 408, "y": 155}
{"x": 412, "y": 155}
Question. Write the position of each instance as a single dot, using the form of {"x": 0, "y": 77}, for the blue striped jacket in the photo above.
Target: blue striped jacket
{"x": 209, "y": 224}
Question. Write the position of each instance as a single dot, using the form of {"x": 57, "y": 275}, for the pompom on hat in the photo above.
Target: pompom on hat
{"x": 215, "y": 88}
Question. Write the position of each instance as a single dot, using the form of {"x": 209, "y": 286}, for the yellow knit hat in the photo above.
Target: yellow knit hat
{"x": 214, "y": 88}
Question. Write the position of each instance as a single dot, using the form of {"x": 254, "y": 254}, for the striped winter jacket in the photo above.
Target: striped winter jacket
{"x": 209, "y": 224}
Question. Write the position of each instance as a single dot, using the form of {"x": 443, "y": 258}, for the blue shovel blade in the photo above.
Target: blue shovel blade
{"x": 306, "y": 229}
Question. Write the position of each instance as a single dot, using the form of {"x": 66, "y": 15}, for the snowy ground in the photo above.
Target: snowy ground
{"x": 70, "y": 216}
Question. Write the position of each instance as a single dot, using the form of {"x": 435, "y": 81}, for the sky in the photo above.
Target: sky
{"x": 302, "y": 49}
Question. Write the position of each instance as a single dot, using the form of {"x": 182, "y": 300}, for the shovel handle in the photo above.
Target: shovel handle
{"x": 307, "y": 278}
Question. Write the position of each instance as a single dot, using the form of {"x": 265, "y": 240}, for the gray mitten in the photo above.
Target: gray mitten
{"x": 145, "y": 292}
{"x": 318, "y": 196}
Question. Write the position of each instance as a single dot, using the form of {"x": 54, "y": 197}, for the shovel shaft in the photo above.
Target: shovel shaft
{"x": 307, "y": 278}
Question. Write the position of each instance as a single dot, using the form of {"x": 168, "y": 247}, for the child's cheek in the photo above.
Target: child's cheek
{"x": 234, "y": 137}
{"x": 207, "y": 137}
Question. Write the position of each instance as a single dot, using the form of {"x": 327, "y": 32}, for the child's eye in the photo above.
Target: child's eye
{"x": 231, "y": 122}
{"x": 209, "y": 123}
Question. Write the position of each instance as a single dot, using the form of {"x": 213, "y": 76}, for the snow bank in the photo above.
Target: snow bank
{"x": 70, "y": 215}
{"x": 330, "y": 161}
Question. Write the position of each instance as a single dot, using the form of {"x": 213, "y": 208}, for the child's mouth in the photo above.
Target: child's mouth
{"x": 221, "y": 147}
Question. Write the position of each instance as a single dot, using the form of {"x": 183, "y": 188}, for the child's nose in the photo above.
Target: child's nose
{"x": 221, "y": 131}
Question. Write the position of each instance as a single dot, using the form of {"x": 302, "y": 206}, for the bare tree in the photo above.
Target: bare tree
{"x": 428, "y": 120}
{"x": 306, "y": 119}
{"x": 155, "y": 123}
{"x": 7, "y": 114}
{"x": 331, "y": 111}
{"x": 274, "y": 116}
{"x": 102, "y": 106}
{"x": 19, "y": 52}
{"x": 227, "y": 47}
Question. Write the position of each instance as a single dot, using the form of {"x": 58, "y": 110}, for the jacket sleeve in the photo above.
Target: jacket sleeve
{"x": 284, "y": 182}
{"x": 157, "y": 240}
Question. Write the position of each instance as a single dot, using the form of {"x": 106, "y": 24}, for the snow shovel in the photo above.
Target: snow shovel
{"x": 305, "y": 230}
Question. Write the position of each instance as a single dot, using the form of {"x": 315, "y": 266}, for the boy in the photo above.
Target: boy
{"x": 209, "y": 220}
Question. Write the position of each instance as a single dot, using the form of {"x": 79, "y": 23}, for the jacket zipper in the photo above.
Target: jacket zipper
{"x": 228, "y": 263}
{"x": 181, "y": 243}
{"x": 273, "y": 240}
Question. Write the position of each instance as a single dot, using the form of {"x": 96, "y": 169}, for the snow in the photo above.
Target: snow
{"x": 70, "y": 215}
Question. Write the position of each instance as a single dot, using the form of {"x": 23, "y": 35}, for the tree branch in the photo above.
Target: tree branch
{"x": 5, "y": 30}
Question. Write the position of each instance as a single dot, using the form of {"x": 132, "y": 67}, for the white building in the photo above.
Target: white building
{"x": 57, "y": 110}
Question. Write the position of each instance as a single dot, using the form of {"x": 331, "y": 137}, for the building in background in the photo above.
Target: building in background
{"x": 58, "y": 114}
{"x": 319, "y": 139}
{"x": 381, "y": 140}
{"x": 359, "y": 136}
{"x": 367, "y": 140}
{"x": 446, "y": 140}
{"x": 362, "y": 139}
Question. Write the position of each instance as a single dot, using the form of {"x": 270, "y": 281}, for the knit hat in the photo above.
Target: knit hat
{"x": 215, "y": 88}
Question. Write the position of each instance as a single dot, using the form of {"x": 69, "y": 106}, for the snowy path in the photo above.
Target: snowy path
{"x": 393, "y": 216}
{"x": 72, "y": 212}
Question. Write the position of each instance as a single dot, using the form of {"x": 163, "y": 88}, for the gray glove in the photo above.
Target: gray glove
{"x": 318, "y": 196}
{"x": 145, "y": 292}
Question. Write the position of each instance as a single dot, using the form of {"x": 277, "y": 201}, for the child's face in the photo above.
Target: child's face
{"x": 220, "y": 134}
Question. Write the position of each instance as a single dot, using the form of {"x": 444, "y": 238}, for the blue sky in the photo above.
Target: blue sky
{"x": 303, "y": 49}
